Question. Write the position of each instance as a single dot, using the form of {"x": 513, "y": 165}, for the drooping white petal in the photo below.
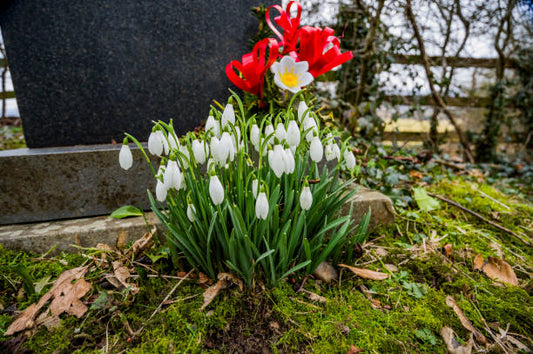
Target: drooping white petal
{"x": 349, "y": 158}
{"x": 336, "y": 151}
{"x": 269, "y": 129}
{"x": 289, "y": 161}
{"x": 228, "y": 115}
{"x": 220, "y": 148}
{"x": 254, "y": 136}
{"x": 306, "y": 198}
{"x": 184, "y": 159}
{"x": 191, "y": 212}
{"x": 173, "y": 178}
{"x": 198, "y": 151}
{"x": 213, "y": 125}
{"x": 316, "y": 150}
{"x": 276, "y": 160}
{"x": 173, "y": 141}
{"x": 261, "y": 206}
{"x": 302, "y": 111}
{"x": 281, "y": 133}
{"x": 155, "y": 144}
{"x": 255, "y": 186}
{"x": 328, "y": 151}
{"x": 226, "y": 143}
{"x": 125, "y": 158}
{"x": 160, "y": 191}
{"x": 216, "y": 191}
{"x": 311, "y": 126}
{"x": 293, "y": 133}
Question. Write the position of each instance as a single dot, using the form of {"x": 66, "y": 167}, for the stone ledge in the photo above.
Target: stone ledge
{"x": 87, "y": 232}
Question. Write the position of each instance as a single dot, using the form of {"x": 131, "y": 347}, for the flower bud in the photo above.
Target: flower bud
{"x": 255, "y": 185}
{"x": 173, "y": 178}
{"x": 293, "y": 133}
{"x": 125, "y": 158}
{"x": 184, "y": 159}
{"x": 173, "y": 141}
{"x": 281, "y": 133}
{"x": 198, "y": 151}
{"x": 216, "y": 192}
{"x": 276, "y": 160}
{"x": 226, "y": 143}
{"x": 191, "y": 212}
{"x": 289, "y": 161}
{"x": 310, "y": 124}
{"x": 212, "y": 125}
{"x": 155, "y": 143}
{"x": 302, "y": 108}
{"x": 160, "y": 191}
{"x": 254, "y": 136}
{"x": 349, "y": 158}
{"x": 220, "y": 149}
{"x": 332, "y": 151}
{"x": 316, "y": 150}
{"x": 228, "y": 116}
{"x": 306, "y": 198}
{"x": 261, "y": 206}
{"x": 269, "y": 129}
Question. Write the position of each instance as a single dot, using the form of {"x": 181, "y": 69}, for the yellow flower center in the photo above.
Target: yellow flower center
{"x": 289, "y": 78}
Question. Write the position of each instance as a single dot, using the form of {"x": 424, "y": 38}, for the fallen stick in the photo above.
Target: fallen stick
{"x": 471, "y": 212}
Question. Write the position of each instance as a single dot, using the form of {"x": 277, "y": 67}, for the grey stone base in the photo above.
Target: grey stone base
{"x": 87, "y": 232}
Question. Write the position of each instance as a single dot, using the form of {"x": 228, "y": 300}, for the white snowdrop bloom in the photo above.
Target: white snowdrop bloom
{"x": 336, "y": 151}
{"x": 198, "y": 150}
{"x": 255, "y": 186}
{"x": 276, "y": 160}
{"x": 293, "y": 133}
{"x": 310, "y": 123}
{"x": 160, "y": 170}
{"x": 173, "y": 178}
{"x": 166, "y": 147}
{"x": 261, "y": 206}
{"x": 173, "y": 141}
{"x": 316, "y": 150}
{"x": 269, "y": 129}
{"x": 306, "y": 198}
{"x": 155, "y": 143}
{"x": 219, "y": 150}
{"x": 288, "y": 160}
{"x": 160, "y": 191}
{"x": 184, "y": 159}
{"x": 191, "y": 212}
{"x": 349, "y": 158}
{"x": 281, "y": 133}
{"x": 226, "y": 142}
{"x": 213, "y": 125}
{"x": 302, "y": 111}
{"x": 216, "y": 191}
{"x": 328, "y": 151}
{"x": 228, "y": 116}
{"x": 291, "y": 75}
{"x": 125, "y": 158}
{"x": 293, "y": 150}
{"x": 254, "y": 136}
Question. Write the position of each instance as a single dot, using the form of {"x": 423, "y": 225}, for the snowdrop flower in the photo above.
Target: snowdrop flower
{"x": 254, "y": 136}
{"x": 281, "y": 133}
{"x": 228, "y": 116}
{"x": 306, "y": 198}
{"x": 199, "y": 151}
{"x": 316, "y": 150}
{"x": 173, "y": 141}
{"x": 269, "y": 129}
{"x": 212, "y": 125}
{"x": 155, "y": 143}
{"x": 261, "y": 206}
{"x": 255, "y": 185}
{"x": 288, "y": 159}
{"x": 310, "y": 124}
{"x": 173, "y": 178}
{"x": 219, "y": 150}
{"x": 349, "y": 158}
{"x": 293, "y": 133}
{"x": 276, "y": 160}
{"x": 332, "y": 151}
{"x": 216, "y": 192}
{"x": 185, "y": 159}
{"x": 191, "y": 212}
{"x": 160, "y": 191}
{"x": 289, "y": 75}
{"x": 226, "y": 142}
{"x": 125, "y": 158}
{"x": 303, "y": 114}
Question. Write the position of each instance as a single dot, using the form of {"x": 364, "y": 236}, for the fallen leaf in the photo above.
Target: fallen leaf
{"x": 447, "y": 250}
{"x": 104, "y": 247}
{"x": 391, "y": 267}
{"x": 415, "y": 174}
{"x": 354, "y": 350}
{"x": 316, "y": 297}
{"x": 450, "y": 301}
{"x": 63, "y": 290}
{"x": 454, "y": 347}
{"x": 142, "y": 244}
{"x": 497, "y": 269}
{"x": 122, "y": 239}
{"x": 326, "y": 272}
{"x": 122, "y": 274}
{"x": 424, "y": 201}
{"x": 366, "y": 273}
{"x": 50, "y": 322}
{"x": 223, "y": 282}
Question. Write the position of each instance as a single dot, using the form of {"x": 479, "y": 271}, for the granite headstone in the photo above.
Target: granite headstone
{"x": 84, "y": 72}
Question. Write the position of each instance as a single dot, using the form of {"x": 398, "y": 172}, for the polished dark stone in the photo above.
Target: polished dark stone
{"x": 85, "y": 72}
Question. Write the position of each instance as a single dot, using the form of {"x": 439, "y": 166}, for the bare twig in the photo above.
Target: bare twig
{"x": 471, "y": 212}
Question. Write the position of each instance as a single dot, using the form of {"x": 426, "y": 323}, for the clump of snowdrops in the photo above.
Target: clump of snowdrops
{"x": 247, "y": 196}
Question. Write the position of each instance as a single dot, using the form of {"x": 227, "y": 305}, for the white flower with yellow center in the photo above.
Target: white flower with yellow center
{"x": 291, "y": 75}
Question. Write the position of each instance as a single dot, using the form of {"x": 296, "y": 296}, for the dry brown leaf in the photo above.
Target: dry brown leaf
{"x": 68, "y": 299}
{"x": 224, "y": 281}
{"x": 497, "y": 269}
{"x": 447, "y": 250}
{"x": 454, "y": 347}
{"x": 59, "y": 290}
{"x": 391, "y": 267}
{"x": 366, "y": 273}
{"x": 354, "y": 350}
{"x": 122, "y": 274}
{"x": 122, "y": 239}
{"x": 104, "y": 247}
{"x": 316, "y": 297}
{"x": 326, "y": 272}
{"x": 450, "y": 301}
{"x": 50, "y": 322}
{"x": 142, "y": 244}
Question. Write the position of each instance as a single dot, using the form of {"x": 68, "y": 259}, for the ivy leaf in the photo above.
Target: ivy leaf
{"x": 126, "y": 211}
{"x": 424, "y": 201}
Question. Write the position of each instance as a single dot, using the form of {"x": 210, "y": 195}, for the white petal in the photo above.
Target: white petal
{"x": 254, "y": 136}
{"x": 216, "y": 191}
{"x": 125, "y": 158}
{"x": 305, "y": 79}
{"x": 255, "y": 186}
{"x": 160, "y": 191}
{"x": 155, "y": 145}
{"x": 301, "y": 67}
{"x": 286, "y": 62}
{"x": 281, "y": 133}
{"x": 316, "y": 150}
{"x": 191, "y": 212}
{"x": 306, "y": 198}
{"x": 261, "y": 206}
{"x": 276, "y": 67}
{"x": 302, "y": 108}
{"x": 228, "y": 115}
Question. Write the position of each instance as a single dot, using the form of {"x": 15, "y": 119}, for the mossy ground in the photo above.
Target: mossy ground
{"x": 404, "y": 313}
